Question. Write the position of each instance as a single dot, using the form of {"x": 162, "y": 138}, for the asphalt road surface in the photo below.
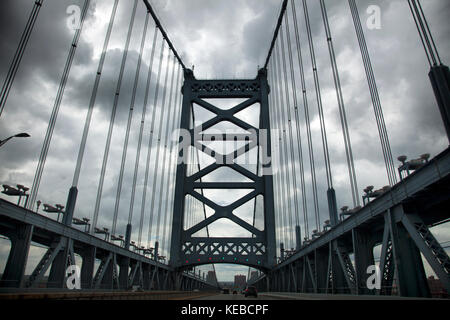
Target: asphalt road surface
{"x": 238, "y": 297}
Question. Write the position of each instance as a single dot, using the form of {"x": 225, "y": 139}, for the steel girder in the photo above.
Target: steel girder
{"x": 22, "y": 226}
{"x": 257, "y": 251}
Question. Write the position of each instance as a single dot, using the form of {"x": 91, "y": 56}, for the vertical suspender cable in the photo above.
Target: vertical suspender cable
{"x": 318, "y": 96}
{"x": 284, "y": 124}
{"x": 169, "y": 175}
{"x": 287, "y": 110}
{"x": 14, "y": 66}
{"x": 170, "y": 115}
{"x": 297, "y": 118}
{"x": 342, "y": 113}
{"x": 283, "y": 152}
{"x": 281, "y": 207}
{"x": 305, "y": 102}
{"x": 111, "y": 124}
{"x": 141, "y": 129}
{"x": 130, "y": 118}
{"x": 289, "y": 115}
{"x": 390, "y": 167}
{"x": 158, "y": 149}
{"x": 150, "y": 140}
{"x": 275, "y": 143}
{"x": 54, "y": 115}
{"x": 173, "y": 156}
{"x": 116, "y": 101}
{"x": 87, "y": 123}
{"x": 311, "y": 154}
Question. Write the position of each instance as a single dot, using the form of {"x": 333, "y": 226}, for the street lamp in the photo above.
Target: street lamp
{"x": 19, "y": 135}
{"x": 54, "y": 209}
{"x": 21, "y": 191}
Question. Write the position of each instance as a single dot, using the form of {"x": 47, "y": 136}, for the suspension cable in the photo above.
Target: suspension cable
{"x": 130, "y": 117}
{"x": 297, "y": 118}
{"x": 427, "y": 30}
{"x": 14, "y": 66}
{"x": 289, "y": 108}
{"x": 141, "y": 129}
{"x": 113, "y": 115}
{"x": 279, "y": 172}
{"x": 54, "y": 115}
{"x": 384, "y": 138}
{"x": 150, "y": 141}
{"x": 287, "y": 111}
{"x": 169, "y": 180}
{"x": 170, "y": 111}
{"x": 87, "y": 122}
{"x": 173, "y": 173}
{"x": 275, "y": 143}
{"x": 318, "y": 96}
{"x": 158, "y": 139}
{"x": 342, "y": 112}
{"x": 283, "y": 151}
{"x": 424, "y": 32}
{"x": 275, "y": 34}
{"x": 163, "y": 32}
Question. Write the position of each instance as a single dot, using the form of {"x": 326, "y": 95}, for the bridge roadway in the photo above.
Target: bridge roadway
{"x": 107, "y": 295}
{"x": 418, "y": 202}
{"x": 398, "y": 220}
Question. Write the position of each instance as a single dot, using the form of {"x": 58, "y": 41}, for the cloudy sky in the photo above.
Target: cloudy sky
{"x": 222, "y": 39}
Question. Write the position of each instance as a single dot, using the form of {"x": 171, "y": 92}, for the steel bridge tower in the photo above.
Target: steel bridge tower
{"x": 259, "y": 250}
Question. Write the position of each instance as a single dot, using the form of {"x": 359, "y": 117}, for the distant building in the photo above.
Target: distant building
{"x": 211, "y": 277}
{"x": 240, "y": 281}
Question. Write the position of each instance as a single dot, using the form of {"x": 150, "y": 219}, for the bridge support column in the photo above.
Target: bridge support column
{"x": 107, "y": 281}
{"x": 411, "y": 277}
{"x": 177, "y": 279}
{"x": 363, "y": 253}
{"x": 298, "y": 238}
{"x": 146, "y": 270}
{"x": 321, "y": 257}
{"x": 59, "y": 265}
{"x": 17, "y": 258}
{"x": 87, "y": 267}
{"x": 332, "y": 207}
{"x": 339, "y": 283}
{"x": 70, "y": 206}
{"x": 440, "y": 81}
{"x": 127, "y": 237}
{"x": 124, "y": 266}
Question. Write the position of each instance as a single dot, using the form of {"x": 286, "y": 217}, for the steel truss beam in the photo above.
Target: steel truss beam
{"x": 187, "y": 250}
{"x": 22, "y": 226}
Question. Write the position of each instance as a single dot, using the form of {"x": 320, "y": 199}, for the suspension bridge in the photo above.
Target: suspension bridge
{"x": 164, "y": 241}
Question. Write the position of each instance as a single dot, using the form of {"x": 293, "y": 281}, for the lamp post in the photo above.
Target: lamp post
{"x": 20, "y": 135}
{"x": 21, "y": 191}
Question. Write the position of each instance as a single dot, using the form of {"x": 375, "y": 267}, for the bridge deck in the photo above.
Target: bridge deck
{"x": 425, "y": 192}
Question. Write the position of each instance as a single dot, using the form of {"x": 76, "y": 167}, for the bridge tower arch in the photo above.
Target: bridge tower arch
{"x": 259, "y": 250}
